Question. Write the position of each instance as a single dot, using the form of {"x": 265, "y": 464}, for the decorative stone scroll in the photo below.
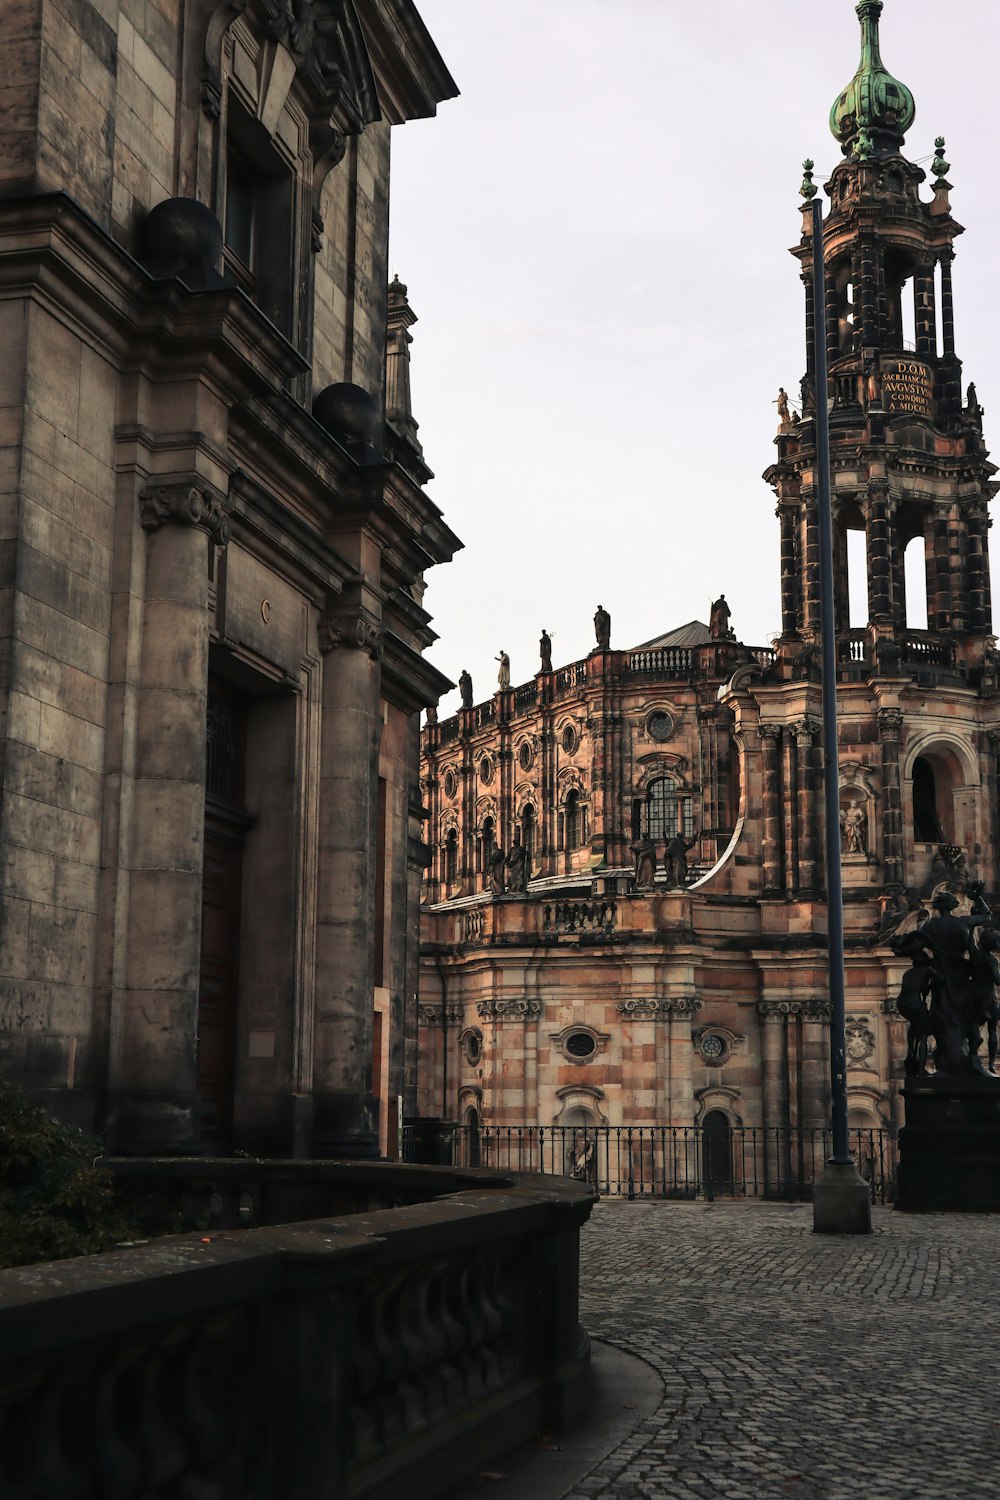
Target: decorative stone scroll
{"x": 431, "y": 1015}
{"x": 186, "y": 503}
{"x": 658, "y": 1010}
{"x": 780, "y": 1010}
{"x": 509, "y": 1010}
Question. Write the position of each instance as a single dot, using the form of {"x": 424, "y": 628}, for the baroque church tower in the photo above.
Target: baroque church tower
{"x": 568, "y": 986}
{"x": 909, "y": 471}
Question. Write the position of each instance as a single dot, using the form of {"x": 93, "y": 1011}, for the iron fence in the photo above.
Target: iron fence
{"x": 667, "y": 1161}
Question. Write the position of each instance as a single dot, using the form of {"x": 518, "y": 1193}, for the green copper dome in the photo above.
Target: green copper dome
{"x": 875, "y": 111}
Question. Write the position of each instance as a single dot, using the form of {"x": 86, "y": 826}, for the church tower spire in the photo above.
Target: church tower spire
{"x": 907, "y": 455}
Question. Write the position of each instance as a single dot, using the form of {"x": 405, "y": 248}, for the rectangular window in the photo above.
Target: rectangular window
{"x": 259, "y": 215}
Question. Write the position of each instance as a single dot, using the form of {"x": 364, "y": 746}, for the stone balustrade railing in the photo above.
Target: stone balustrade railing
{"x": 366, "y": 1355}
{"x": 583, "y": 916}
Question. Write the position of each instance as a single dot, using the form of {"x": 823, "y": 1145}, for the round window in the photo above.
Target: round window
{"x": 569, "y": 739}
{"x": 525, "y": 756}
{"x": 580, "y": 1044}
{"x": 486, "y": 770}
{"x": 660, "y": 726}
{"x": 712, "y": 1047}
{"x": 473, "y": 1046}
{"x": 450, "y": 783}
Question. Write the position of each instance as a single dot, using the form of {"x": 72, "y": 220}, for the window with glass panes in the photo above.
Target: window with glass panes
{"x": 667, "y": 811}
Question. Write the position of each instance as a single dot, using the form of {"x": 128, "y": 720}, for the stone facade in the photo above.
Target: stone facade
{"x": 213, "y": 566}
{"x": 601, "y": 994}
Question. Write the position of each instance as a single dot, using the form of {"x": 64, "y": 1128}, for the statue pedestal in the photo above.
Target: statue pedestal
{"x": 949, "y": 1148}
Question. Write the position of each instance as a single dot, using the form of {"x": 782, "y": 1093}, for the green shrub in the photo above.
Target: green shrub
{"x": 56, "y": 1200}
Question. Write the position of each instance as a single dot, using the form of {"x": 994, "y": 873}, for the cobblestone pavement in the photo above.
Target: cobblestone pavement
{"x": 798, "y": 1366}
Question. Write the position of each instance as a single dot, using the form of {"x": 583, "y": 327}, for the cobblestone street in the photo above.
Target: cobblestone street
{"x": 798, "y": 1366}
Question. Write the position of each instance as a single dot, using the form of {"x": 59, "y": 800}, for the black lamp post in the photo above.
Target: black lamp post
{"x": 841, "y": 1204}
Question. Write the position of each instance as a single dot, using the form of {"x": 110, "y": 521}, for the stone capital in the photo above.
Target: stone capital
{"x": 890, "y": 723}
{"x": 806, "y": 729}
{"x": 509, "y": 1010}
{"x": 188, "y": 503}
{"x": 770, "y": 732}
{"x": 353, "y": 632}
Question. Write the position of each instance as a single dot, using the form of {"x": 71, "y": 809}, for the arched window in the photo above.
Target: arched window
{"x": 668, "y": 811}
{"x": 571, "y": 821}
{"x": 451, "y": 856}
{"x": 915, "y": 583}
{"x": 927, "y": 825}
{"x": 528, "y": 831}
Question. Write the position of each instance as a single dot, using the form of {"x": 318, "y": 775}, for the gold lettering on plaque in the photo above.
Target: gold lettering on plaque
{"x": 908, "y": 386}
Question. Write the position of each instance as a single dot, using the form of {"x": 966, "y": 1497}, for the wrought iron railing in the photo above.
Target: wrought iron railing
{"x": 676, "y": 1161}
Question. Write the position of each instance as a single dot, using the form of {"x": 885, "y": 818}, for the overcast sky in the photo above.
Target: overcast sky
{"x": 594, "y": 236}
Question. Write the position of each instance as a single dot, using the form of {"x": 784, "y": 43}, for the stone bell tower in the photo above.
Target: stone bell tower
{"x": 908, "y": 461}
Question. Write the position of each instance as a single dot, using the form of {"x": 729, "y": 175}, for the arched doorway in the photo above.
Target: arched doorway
{"x": 716, "y": 1154}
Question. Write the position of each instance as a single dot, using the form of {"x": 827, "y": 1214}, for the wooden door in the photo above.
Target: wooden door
{"x": 217, "y": 1000}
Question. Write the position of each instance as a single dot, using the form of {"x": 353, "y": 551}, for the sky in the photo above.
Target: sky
{"x": 594, "y": 236}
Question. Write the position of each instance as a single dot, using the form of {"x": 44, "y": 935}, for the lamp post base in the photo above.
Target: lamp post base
{"x": 842, "y": 1201}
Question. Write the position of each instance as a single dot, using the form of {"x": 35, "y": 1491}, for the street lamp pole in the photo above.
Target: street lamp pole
{"x": 841, "y": 1203}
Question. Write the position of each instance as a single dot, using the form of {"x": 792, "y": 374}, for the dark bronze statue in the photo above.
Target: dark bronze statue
{"x": 602, "y": 628}
{"x": 517, "y": 867}
{"x": 465, "y": 688}
{"x": 961, "y": 975}
{"x": 644, "y": 858}
{"x": 718, "y": 620}
{"x": 545, "y": 652}
{"x": 497, "y": 870}
{"x": 675, "y": 859}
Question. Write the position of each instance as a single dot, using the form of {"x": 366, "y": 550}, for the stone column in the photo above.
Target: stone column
{"x": 549, "y": 811}
{"x": 815, "y": 1064}
{"x": 789, "y": 807}
{"x": 890, "y": 725}
{"x": 770, "y": 736}
{"x": 866, "y": 294}
{"x": 807, "y": 282}
{"x": 879, "y": 547}
{"x": 809, "y": 792}
{"x": 685, "y": 1159}
{"x": 980, "y": 622}
{"x": 958, "y": 550}
{"x": 153, "y": 1100}
{"x": 790, "y": 583}
{"x": 841, "y": 599}
{"x": 774, "y": 1089}
{"x": 947, "y": 306}
{"x": 810, "y": 567}
{"x": 924, "y": 311}
{"x": 939, "y": 594}
{"x": 832, "y": 329}
{"x": 345, "y": 972}
{"x": 467, "y": 841}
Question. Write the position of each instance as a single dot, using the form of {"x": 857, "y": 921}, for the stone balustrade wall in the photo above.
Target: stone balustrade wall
{"x": 360, "y": 1356}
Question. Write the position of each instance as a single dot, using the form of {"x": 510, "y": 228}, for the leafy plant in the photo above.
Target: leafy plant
{"x": 56, "y": 1200}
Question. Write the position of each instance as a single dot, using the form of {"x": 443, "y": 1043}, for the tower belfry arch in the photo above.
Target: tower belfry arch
{"x": 908, "y": 460}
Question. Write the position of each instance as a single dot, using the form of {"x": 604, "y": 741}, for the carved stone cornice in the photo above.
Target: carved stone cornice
{"x": 431, "y": 1015}
{"x": 352, "y": 632}
{"x": 781, "y": 1010}
{"x": 890, "y": 723}
{"x": 189, "y": 504}
{"x": 658, "y": 1010}
{"x": 509, "y": 1010}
